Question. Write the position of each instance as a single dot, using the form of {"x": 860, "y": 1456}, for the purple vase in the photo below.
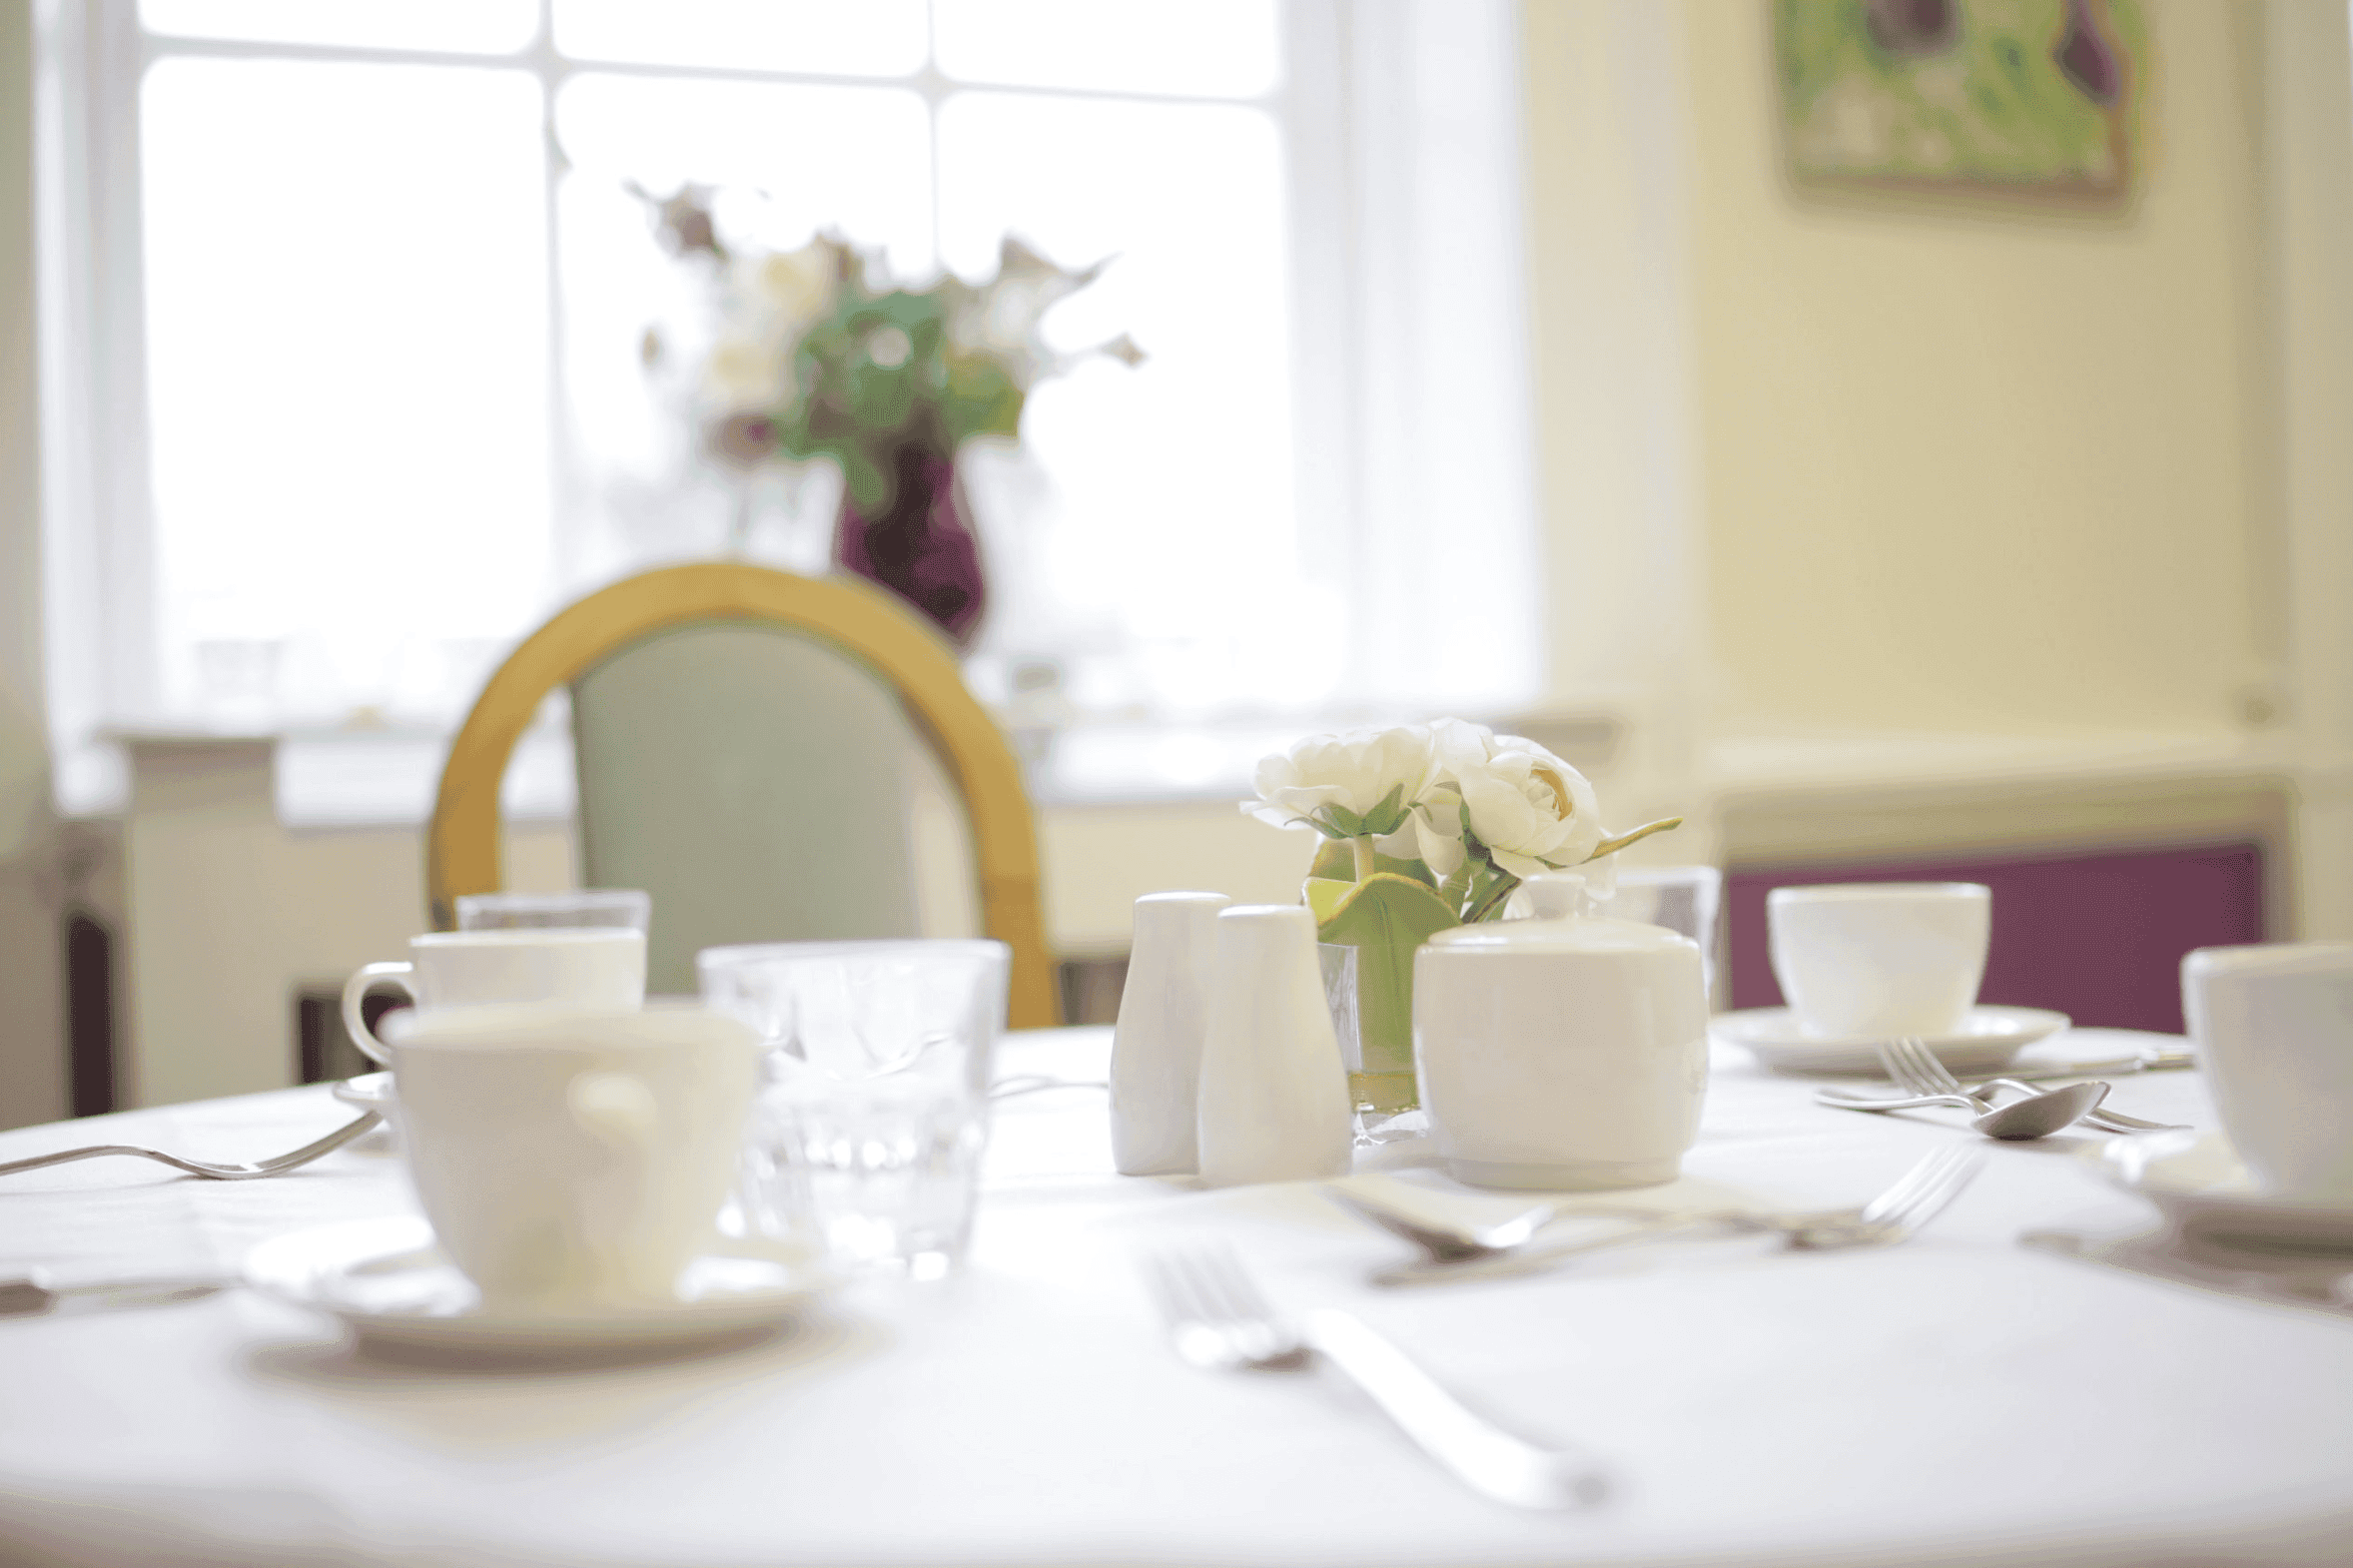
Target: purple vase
{"x": 921, "y": 546}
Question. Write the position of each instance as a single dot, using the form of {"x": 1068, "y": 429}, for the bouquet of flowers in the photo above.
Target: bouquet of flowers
{"x": 818, "y": 354}
{"x": 1427, "y": 825}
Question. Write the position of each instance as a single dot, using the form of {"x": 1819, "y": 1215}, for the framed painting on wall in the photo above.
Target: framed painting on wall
{"x": 2035, "y": 101}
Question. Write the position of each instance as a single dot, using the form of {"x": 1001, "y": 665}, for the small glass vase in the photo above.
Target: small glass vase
{"x": 1383, "y": 1089}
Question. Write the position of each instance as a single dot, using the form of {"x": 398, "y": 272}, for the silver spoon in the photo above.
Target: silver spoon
{"x": 1915, "y": 1198}
{"x": 1447, "y": 1244}
{"x": 2037, "y": 1115}
{"x": 1460, "y": 1243}
{"x": 2115, "y": 1121}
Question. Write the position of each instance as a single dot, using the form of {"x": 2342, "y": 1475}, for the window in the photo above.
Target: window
{"x": 354, "y": 295}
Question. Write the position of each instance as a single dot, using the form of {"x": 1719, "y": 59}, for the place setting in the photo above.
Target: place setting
{"x": 603, "y": 1176}
{"x": 599, "y": 1173}
{"x": 2262, "y": 1206}
{"x": 1883, "y": 980}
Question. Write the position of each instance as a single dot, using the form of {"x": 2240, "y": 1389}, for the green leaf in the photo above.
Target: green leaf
{"x": 1384, "y": 918}
{"x": 1490, "y": 903}
{"x": 1389, "y": 815}
{"x": 1344, "y": 822}
{"x": 866, "y": 480}
{"x": 1323, "y": 895}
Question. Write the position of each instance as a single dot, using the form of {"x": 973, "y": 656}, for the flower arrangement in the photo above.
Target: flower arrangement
{"x": 819, "y": 354}
{"x": 1427, "y": 825}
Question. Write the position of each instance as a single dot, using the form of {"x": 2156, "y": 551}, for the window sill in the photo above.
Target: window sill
{"x": 325, "y": 779}
{"x": 353, "y": 778}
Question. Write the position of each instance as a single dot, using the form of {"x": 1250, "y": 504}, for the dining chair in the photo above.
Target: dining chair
{"x": 747, "y": 744}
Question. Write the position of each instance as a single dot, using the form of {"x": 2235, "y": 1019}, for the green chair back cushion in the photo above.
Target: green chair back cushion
{"x": 755, "y": 781}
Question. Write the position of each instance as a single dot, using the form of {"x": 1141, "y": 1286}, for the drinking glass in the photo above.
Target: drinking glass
{"x": 579, "y": 907}
{"x": 873, "y": 1111}
{"x": 1684, "y": 899}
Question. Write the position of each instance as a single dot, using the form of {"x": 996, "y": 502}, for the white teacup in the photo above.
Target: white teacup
{"x": 2274, "y": 1030}
{"x": 571, "y": 1161}
{"x": 1872, "y": 960}
{"x": 590, "y": 968}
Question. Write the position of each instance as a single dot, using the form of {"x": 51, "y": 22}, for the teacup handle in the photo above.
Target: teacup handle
{"x": 615, "y": 1107}
{"x": 356, "y": 988}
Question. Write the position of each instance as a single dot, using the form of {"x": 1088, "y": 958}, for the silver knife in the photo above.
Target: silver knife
{"x": 2148, "y": 1061}
{"x": 29, "y": 1297}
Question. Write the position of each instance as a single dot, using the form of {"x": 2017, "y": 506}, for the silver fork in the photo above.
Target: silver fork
{"x": 1915, "y": 1198}
{"x": 1916, "y": 1069}
{"x": 217, "y": 1173}
{"x": 1218, "y": 1319}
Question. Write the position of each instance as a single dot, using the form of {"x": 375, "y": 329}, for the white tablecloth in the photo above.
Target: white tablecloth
{"x": 1958, "y": 1398}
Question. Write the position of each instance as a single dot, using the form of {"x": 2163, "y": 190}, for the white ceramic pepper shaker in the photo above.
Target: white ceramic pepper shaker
{"x": 1273, "y": 1092}
{"x": 1157, "y": 1045}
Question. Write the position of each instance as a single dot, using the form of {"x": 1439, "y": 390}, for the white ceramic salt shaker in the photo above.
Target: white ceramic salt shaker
{"x": 1273, "y": 1092}
{"x": 1564, "y": 1052}
{"x": 1157, "y": 1045}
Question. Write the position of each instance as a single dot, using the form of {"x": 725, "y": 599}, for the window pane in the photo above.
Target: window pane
{"x": 872, "y": 179}
{"x": 1213, "y": 48}
{"x": 347, "y": 359}
{"x": 825, "y": 37}
{"x": 1165, "y": 546}
{"x": 468, "y": 26}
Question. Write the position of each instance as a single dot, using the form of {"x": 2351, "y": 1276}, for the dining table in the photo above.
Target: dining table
{"x": 2043, "y": 1374}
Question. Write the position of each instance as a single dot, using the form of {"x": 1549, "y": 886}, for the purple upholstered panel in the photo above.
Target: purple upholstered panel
{"x": 2099, "y": 937}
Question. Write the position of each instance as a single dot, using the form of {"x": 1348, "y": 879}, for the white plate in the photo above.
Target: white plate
{"x": 2197, "y": 1181}
{"x": 388, "y": 1282}
{"x": 370, "y": 1092}
{"x": 1985, "y": 1042}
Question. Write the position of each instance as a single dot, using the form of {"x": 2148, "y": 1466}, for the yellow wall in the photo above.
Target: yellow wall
{"x": 1981, "y": 473}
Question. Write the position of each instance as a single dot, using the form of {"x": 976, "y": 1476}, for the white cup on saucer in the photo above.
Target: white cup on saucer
{"x": 591, "y": 967}
{"x": 2273, "y": 1025}
{"x": 1873, "y": 960}
{"x": 571, "y": 1161}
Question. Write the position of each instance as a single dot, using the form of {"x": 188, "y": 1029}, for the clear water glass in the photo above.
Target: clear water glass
{"x": 626, "y": 908}
{"x": 1684, "y": 899}
{"x": 873, "y": 1113}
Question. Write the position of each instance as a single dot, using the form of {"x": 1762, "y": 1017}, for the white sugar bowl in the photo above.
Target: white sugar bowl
{"x": 1561, "y": 1053}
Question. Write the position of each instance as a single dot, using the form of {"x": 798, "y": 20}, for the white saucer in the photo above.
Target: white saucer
{"x": 1985, "y": 1042}
{"x": 370, "y": 1092}
{"x": 2197, "y": 1181}
{"x": 388, "y": 1282}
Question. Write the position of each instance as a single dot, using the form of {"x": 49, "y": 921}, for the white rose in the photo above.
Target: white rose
{"x": 744, "y": 373}
{"x": 1437, "y": 819}
{"x": 799, "y": 285}
{"x": 1366, "y": 781}
{"x": 1530, "y": 809}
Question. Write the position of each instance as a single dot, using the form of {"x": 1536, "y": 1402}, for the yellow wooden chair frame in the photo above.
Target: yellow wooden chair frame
{"x": 463, "y": 846}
